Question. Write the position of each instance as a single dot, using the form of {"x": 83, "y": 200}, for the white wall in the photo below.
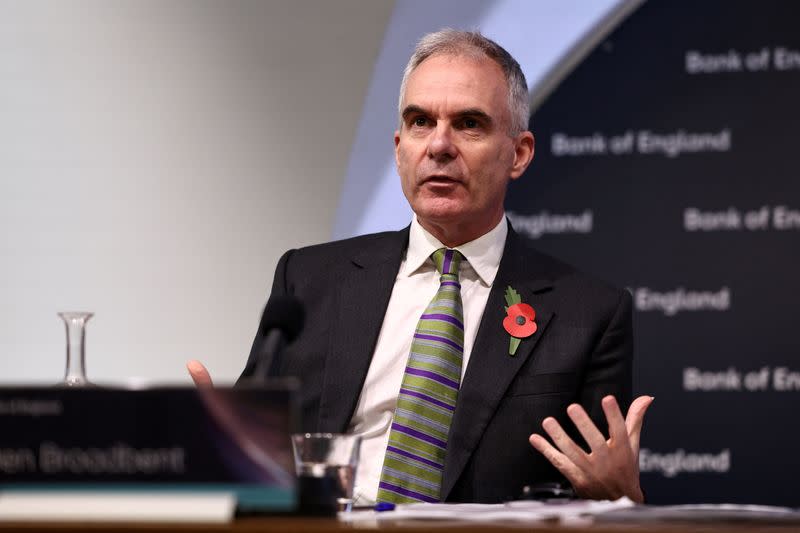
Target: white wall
{"x": 156, "y": 157}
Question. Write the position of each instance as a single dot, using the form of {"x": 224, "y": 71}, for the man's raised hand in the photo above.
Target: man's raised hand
{"x": 611, "y": 469}
{"x": 199, "y": 374}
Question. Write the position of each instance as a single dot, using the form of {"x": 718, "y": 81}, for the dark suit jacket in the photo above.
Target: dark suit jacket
{"x": 581, "y": 351}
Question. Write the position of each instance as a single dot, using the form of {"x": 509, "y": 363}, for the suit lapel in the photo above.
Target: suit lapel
{"x": 357, "y": 317}
{"x": 491, "y": 369}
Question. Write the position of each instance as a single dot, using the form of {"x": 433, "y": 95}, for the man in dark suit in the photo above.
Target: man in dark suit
{"x": 462, "y": 137}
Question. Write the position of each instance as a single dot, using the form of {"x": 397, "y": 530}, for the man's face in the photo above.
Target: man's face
{"x": 453, "y": 151}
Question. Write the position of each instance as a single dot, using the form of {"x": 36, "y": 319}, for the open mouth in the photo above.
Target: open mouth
{"x": 440, "y": 180}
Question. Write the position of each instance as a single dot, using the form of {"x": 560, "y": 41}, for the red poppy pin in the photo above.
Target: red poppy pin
{"x": 519, "y": 322}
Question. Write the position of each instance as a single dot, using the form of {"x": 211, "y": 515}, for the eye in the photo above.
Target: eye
{"x": 420, "y": 122}
{"x": 470, "y": 123}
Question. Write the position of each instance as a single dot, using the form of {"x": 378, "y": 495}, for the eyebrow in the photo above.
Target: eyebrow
{"x": 412, "y": 110}
{"x": 468, "y": 112}
{"x": 477, "y": 113}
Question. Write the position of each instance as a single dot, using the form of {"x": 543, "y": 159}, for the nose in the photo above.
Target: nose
{"x": 440, "y": 142}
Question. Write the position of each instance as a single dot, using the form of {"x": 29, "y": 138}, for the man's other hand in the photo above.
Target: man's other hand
{"x": 611, "y": 469}
{"x": 199, "y": 374}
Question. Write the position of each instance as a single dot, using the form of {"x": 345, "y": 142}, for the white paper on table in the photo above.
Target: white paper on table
{"x": 735, "y": 507}
{"x": 47, "y": 506}
{"x": 725, "y": 512}
{"x": 568, "y": 511}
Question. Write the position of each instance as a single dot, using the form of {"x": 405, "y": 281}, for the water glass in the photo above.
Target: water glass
{"x": 326, "y": 465}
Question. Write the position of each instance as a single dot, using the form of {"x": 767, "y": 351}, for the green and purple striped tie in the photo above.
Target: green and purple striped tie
{"x": 412, "y": 467}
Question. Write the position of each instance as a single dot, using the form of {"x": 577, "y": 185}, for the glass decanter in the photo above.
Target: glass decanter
{"x": 75, "y": 374}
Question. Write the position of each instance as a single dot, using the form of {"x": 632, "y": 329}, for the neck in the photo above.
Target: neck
{"x": 452, "y": 235}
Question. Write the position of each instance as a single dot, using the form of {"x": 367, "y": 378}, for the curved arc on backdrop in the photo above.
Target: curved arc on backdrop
{"x": 550, "y": 81}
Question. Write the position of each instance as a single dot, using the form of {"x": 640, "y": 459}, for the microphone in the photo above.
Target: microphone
{"x": 281, "y": 322}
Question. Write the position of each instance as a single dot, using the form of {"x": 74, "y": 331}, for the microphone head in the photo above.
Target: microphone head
{"x": 284, "y": 313}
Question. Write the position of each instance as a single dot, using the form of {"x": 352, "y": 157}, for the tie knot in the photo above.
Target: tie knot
{"x": 447, "y": 260}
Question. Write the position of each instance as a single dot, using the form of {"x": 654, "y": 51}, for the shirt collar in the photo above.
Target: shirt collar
{"x": 483, "y": 254}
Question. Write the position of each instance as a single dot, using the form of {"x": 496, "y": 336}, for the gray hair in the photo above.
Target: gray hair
{"x": 472, "y": 44}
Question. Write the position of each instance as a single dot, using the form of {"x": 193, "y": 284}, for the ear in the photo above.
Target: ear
{"x": 523, "y": 154}
{"x": 397, "y": 148}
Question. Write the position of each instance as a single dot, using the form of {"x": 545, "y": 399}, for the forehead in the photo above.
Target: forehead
{"x": 447, "y": 81}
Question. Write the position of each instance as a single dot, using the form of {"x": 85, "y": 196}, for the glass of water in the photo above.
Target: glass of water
{"x": 326, "y": 469}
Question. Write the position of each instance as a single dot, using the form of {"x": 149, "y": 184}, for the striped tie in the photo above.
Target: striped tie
{"x": 412, "y": 467}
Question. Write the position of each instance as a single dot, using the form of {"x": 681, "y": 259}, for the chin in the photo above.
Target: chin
{"x": 442, "y": 213}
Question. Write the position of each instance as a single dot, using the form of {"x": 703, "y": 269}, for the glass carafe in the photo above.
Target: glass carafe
{"x": 75, "y": 374}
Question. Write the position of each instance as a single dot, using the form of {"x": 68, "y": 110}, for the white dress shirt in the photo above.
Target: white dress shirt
{"x": 416, "y": 283}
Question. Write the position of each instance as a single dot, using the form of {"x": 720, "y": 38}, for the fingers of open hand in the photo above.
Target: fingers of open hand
{"x": 571, "y": 461}
{"x": 557, "y": 459}
{"x": 587, "y": 429}
{"x": 635, "y": 420}
{"x": 199, "y": 374}
{"x": 616, "y": 423}
{"x": 563, "y": 441}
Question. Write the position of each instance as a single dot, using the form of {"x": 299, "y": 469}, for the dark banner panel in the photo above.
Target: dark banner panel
{"x": 667, "y": 163}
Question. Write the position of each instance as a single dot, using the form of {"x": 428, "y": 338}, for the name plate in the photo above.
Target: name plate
{"x": 160, "y": 439}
